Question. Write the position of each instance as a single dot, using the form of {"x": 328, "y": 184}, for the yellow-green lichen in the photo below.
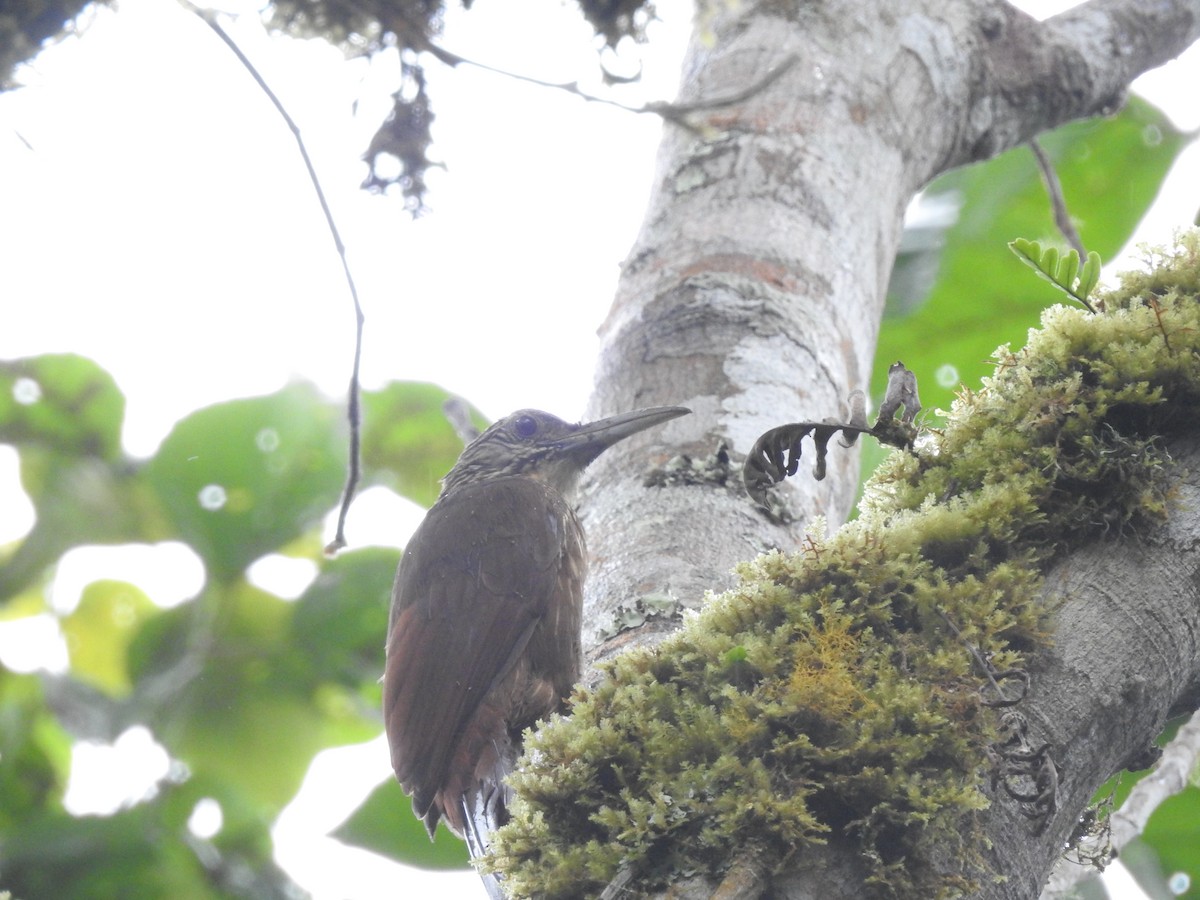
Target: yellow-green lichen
{"x": 826, "y": 694}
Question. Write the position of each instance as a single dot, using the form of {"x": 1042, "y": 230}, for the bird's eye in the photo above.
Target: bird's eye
{"x": 525, "y": 427}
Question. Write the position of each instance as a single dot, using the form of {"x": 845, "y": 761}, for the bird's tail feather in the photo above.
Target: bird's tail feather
{"x": 484, "y": 810}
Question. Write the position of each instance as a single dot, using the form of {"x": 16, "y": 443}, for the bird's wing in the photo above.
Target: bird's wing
{"x": 477, "y": 577}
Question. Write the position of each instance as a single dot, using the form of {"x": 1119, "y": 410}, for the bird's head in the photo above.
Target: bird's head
{"x": 538, "y": 445}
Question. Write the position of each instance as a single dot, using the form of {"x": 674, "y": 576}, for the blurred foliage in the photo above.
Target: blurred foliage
{"x": 406, "y": 436}
{"x": 243, "y": 478}
{"x": 241, "y": 687}
{"x": 98, "y": 633}
{"x": 1173, "y": 832}
{"x": 26, "y": 26}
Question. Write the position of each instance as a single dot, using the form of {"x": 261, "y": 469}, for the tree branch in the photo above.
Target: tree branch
{"x": 675, "y": 112}
{"x": 753, "y": 295}
{"x": 1032, "y": 76}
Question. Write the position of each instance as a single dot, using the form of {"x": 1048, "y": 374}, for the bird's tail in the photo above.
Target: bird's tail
{"x": 484, "y": 810}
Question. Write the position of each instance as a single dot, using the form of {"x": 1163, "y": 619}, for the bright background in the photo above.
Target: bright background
{"x": 158, "y": 219}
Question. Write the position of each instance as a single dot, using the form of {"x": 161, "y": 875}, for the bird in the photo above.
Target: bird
{"x": 484, "y": 626}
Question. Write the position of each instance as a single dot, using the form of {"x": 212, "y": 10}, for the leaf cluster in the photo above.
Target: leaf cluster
{"x": 241, "y": 687}
{"x": 1063, "y": 270}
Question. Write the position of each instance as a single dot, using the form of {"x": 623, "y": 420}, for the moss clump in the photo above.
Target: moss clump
{"x": 826, "y": 694}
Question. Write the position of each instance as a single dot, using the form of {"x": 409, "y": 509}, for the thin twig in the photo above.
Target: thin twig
{"x": 354, "y": 409}
{"x": 354, "y": 416}
{"x": 674, "y": 112}
{"x": 1062, "y": 218}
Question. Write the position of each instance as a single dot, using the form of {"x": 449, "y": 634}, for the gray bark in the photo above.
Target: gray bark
{"x": 1126, "y": 654}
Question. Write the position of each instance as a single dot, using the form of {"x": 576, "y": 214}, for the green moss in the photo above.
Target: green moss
{"x": 826, "y": 695}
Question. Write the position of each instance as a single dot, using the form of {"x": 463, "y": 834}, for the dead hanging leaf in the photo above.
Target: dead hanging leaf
{"x": 404, "y": 140}
{"x": 776, "y": 454}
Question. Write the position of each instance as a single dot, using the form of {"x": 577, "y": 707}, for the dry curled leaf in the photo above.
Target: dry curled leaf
{"x": 776, "y": 454}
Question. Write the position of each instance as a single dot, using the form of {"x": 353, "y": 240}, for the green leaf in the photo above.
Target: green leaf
{"x": 949, "y": 323}
{"x": 1174, "y": 831}
{"x": 242, "y": 478}
{"x": 1089, "y": 276}
{"x": 123, "y": 855}
{"x": 385, "y": 824}
{"x": 1049, "y": 262}
{"x": 246, "y": 707}
{"x": 77, "y": 500}
{"x": 340, "y": 622}
{"x": 256, "y": 737}
{"x": 238, "y": 711}
{"x": 35, "y": 752}
{"x": 165, "y": 643}
{"x": 244, "y": 829}
{"x": 244, "y": 841}
{"x": 1068, "y": 268}
{"x": 408, "y": 445}
{"x": 64, "y": 415}
{"x": 62, "y": 402}
{"x": 99, "y": 631}
{"x": 145, "y": 851}
{"x": 1059, "y": 271}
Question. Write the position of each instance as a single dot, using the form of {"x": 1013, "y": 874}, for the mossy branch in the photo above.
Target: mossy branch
{"x": 825, "y": 698}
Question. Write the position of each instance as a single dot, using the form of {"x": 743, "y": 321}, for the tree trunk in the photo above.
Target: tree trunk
{"x": 754, "y": 294}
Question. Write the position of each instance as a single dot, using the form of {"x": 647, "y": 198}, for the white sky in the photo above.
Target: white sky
{"x": 158, "y": 219}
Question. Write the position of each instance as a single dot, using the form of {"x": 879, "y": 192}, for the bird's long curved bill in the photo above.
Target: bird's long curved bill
{"x": 593, "y": 438}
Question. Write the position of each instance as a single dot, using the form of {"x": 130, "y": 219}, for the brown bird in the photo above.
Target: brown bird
{"x": 484, "y": 632}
